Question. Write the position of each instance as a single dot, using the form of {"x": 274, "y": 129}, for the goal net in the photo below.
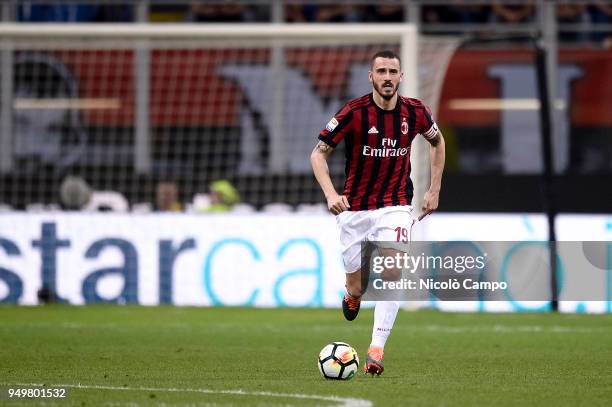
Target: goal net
{"x": 434, "y": 55}
{"x": 127, "y": 107}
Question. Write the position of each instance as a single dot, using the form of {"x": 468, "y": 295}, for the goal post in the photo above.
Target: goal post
{"x": 236, "y": 101}
{"x": 297, "y": 33}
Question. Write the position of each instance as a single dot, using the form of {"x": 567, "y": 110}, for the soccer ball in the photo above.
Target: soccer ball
{"x": 338, "y": 360}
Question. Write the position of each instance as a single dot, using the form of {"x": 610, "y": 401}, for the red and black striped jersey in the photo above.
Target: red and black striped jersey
{"x": 377, "y": 145}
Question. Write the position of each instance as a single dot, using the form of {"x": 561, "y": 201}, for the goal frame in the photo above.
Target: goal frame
{"x": 149, "y": 34}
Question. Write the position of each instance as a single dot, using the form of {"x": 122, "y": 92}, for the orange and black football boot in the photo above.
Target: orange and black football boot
{"x": 350, "y": 306}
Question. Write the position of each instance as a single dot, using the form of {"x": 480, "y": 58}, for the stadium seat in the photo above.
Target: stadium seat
{"x": 200, "y": 203}
{"x": 6, "y": 208}
{"x": 142, "y": 207}
{"x": 111, "y": 201}
{"x": 277, "y": 207}
{"x": 35, "y": 207}
{"x": 312, "y": 208}
{"x": 243, "y": 208}
{"x": 41, "y": 207}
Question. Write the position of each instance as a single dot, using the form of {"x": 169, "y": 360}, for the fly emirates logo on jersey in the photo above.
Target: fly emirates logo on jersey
{"x": 388, "y": 149}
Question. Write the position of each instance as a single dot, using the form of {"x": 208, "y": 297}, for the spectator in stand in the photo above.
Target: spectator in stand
{"x": 294, "y": 13}
{"x": 340, "y": 13}
{"x": 117, "y": 13}
{"x": 74, "y": 193}
{"x": 387, "y": 13}
{"x": 457, "y": 13}
{"x": 512, "y": 13}
{"x": 166, "y": 197}
{"x": 601, "y": 13}
{"x": 223, "y": 196}
{"x": 435, "y": 14}
{"x": 74, "y": 12}
{"x": 35, "y": 12}
{"x": 572, "y": 14}
{"x": 221, "y": 13}
{"x": 460, "y": 12}
{"x": 169, "y": 13}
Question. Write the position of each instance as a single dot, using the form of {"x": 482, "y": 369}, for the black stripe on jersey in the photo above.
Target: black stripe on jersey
{"x": 380, "y": 198}
{"x": 411, "y": 130}
{"x": 348, "y": 153}
{"x": 411, "y": 122}
{"x": 428, "y": 118}
{"x": 363, "y": 134}
{"x": 409, "y": 187}
{"x": 360, "y": 102}
{"x": 345, "y": 120}
{"x": 412, "y": 133}
{"x": 380, "y": 124}
{"x": 329, "y": 137}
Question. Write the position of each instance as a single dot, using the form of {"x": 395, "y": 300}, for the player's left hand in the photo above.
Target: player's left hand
{"x": 430, "y": 203}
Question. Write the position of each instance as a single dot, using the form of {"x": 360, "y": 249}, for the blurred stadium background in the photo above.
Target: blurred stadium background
{"x": 134, "y": 108}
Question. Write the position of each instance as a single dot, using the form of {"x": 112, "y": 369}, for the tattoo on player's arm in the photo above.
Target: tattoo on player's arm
{"x": 323, "y": 148}
{"x": 435, "y": 140}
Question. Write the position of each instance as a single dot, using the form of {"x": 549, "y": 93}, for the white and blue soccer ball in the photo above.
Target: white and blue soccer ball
{"x": 339, "y": 361}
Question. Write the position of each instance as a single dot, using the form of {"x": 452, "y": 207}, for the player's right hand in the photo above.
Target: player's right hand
{"x": 337, "y": 204}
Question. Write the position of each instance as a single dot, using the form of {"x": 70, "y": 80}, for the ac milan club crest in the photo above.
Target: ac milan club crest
{"x": 404, "y": 127}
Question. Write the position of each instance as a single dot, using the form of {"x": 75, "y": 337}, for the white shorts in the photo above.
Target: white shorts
{"x": 386, "y": 224}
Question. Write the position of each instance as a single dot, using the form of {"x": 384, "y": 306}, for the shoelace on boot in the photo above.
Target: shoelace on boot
{"x": 352, "y": 302}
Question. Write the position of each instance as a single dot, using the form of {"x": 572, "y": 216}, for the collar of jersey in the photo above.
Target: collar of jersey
{"x": 396, "y": 108}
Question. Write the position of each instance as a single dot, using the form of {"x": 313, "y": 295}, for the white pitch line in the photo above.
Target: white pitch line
{"x": 341, "y": 401}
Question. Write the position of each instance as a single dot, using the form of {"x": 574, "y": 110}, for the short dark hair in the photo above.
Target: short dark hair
{"x": 387, "y": 53}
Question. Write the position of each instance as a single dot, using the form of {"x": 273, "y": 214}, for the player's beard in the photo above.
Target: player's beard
{"x": 387, "y": 96}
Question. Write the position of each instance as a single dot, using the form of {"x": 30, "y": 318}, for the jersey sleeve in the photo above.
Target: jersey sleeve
{"x": 338, "y": 127}
{"x": 426, "y": 124}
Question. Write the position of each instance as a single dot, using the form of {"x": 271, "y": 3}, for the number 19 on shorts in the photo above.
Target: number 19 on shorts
{"x": 402, "y": 234}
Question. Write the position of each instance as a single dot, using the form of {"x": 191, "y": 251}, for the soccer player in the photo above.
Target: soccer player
{"x": 378, "y": 129}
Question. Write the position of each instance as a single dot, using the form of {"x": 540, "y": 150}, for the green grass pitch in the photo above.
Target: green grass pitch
{"x": 172, "y": 356}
